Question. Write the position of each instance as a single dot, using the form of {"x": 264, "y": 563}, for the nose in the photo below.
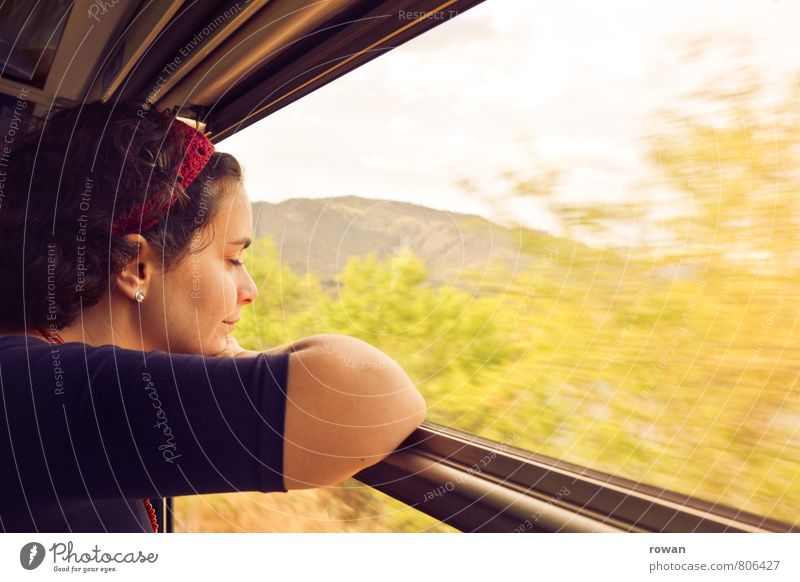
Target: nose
{"x": 248, "y": 290}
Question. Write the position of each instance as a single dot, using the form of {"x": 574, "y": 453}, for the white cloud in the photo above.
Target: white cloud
{"x": 577, "y": 80}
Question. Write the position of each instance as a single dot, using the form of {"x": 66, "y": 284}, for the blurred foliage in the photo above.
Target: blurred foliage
{"x": 686, "y": 380}
{"x": 739, "y": 171}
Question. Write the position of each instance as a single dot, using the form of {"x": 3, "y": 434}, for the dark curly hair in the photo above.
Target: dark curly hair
{"x": 70, "y": 175}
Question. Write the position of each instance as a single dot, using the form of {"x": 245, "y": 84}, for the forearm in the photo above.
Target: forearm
{"x": 301, "y": 344}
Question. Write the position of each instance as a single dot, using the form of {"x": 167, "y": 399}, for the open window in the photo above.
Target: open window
{"x": 613, "y": 349}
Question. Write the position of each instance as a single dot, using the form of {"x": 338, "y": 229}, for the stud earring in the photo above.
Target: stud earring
{"x": 139, "y": 295}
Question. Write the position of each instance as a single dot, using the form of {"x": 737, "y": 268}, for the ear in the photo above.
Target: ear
{"x": 138, "y": 273}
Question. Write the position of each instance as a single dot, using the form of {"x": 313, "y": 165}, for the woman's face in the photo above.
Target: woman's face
{"x": 191, "y": 308}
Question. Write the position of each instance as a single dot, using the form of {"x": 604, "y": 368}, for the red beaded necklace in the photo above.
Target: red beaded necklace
{"x": 55, "y": 338}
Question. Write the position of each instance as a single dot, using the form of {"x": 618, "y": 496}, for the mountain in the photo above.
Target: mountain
{"x": 321, "y": 234}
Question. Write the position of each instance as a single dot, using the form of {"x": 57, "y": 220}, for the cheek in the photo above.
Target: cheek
{"x": 217, "y": 298}
{"x": 194, "y": 287}
{"x": 179, "y": 292}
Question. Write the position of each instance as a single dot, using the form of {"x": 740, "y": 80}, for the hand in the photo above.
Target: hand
{"x": 232, "y": 347}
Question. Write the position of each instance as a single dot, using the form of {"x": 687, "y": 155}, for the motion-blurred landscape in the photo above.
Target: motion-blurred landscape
{"x": 648, "y": 329}
{"x": 675, "y": 369}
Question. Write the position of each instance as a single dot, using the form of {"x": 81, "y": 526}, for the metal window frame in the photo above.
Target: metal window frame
{"x": 321, "y": 57}
{"x": 478, "y": 485}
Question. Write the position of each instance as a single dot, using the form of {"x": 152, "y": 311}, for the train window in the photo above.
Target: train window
{"x": 575, "y": 226}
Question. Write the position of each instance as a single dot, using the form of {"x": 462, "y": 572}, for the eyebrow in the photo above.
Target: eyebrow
{"x": 244, "y": 242}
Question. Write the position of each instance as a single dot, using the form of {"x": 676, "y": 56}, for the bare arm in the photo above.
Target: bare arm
{"x": 349, "y": 406}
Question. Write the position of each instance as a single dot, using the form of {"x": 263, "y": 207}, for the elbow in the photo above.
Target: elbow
{"x": 406, "y": 411}
{"x": 420, "y": 409}
{"x": 414, "y": 402}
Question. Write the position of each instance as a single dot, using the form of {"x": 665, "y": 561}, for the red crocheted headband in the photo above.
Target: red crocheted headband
{"x": 197, "y": 152}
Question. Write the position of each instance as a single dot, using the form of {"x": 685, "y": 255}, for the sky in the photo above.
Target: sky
{"x": 512, "y": 86}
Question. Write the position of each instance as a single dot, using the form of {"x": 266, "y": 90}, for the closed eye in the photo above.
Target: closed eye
{"x": 235, "y": 263}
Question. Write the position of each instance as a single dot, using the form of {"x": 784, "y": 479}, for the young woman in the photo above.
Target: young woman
{"x": 121, "y": 240}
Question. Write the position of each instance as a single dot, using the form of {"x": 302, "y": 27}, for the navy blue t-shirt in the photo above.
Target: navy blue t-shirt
{"x": 87, "y": 432}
